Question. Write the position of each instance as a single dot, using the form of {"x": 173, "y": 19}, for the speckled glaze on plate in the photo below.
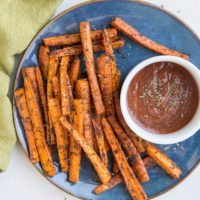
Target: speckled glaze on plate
{"x": 158, "y": 25}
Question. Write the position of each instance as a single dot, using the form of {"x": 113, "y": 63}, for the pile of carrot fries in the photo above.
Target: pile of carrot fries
{"x": 61, "y": 108}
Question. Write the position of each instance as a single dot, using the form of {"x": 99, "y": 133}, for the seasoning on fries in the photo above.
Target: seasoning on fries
{"x": 130, "y": 180}
{"x": 98, "y": 165}
{"x": 64, "y": 108}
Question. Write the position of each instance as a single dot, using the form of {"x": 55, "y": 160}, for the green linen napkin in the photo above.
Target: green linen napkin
{"x": 19, "y": 22}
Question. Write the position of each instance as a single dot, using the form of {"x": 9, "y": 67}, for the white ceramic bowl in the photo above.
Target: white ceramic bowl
{"x": 187, "y": 131}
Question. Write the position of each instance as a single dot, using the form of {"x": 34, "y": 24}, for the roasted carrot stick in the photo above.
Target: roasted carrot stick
{"x": 43, "y": 97}
{"x": 62, "y": 147}
{"x": 75, "y": 149}
{"x": 117, "y": 179}
{"x": 30, "y": 73}
{"x": 114, "y": 181}
{"x": 20, "y": 100}
{"x": 96, "y": 120}
{"x": 131, "y": 182}
{"x": 135, "y": 159}
{"x": 77, "y": 49}
{"x": 115, "y": 168}
{"x": 74, "y": 71}
{"x": 75, "y": 38}
{"x": 70, "y": 93}
{"x": 132, "y": 33}
{"x": 43, "y": 59}
{"x": 109, "y": 51}
{"x": 104, "y": 64}
{"x": 53, "y": 68}
{"x": 83, "y": 92}
{"x": 135, "y": 139}
{"x": 56, "y": 87}
{"x": 162, "y": 160}
{"x": 98, "y": 165}
{"x": 39, "y": 133}
{"x": 65, "y": 101}
{"x": 90, "y": 67}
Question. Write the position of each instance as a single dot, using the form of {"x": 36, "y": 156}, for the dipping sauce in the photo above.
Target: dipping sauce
{"x": 163, "y": 97}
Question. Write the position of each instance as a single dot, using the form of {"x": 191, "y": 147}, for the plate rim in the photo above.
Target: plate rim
{"x": 188, "y": 27}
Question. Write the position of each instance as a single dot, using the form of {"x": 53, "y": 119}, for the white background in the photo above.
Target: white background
{"x": 22, "y": 182}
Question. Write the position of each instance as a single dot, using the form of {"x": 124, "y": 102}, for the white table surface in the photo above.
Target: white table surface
{"x": 22, "y": 182}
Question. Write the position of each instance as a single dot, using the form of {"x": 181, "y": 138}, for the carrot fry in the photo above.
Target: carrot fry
{"x": 100, "y": 139}
{"x": 56, "y": 87}
{"x": 135, "y": 159}
{"x": 70, "y": 93}
{"x": 53, "y": 68}
{"x": 38, "y": 129}
{"x": 83, "y": 92}
{"x": 56, "y": 113}
{"x": 148, "y": 162}
{"x": 117, "y": 179}
{"x": 75, "y": 38}
{"x": 43, "y": 59}
{"x": 90, "y": 67}
{"x": 65, "y": 101}
{"x": 131, "y": 182}
{"x": 115, "y": 168}
{"x": 98, "y": 165}
{"x": 26, "y": 121}
{"x": 30, "y": 73}
{"x": 104, "y": 64}
{"x": 109, "y": 51}
{"x": 162, "y": 160}
{"x": 114, "y": 181}
{"x": 132, "y": 33}
{"x": 135, "y": 139}
{"x": 77, "y": 49}
{"x": 75, "y": 149}
{"x": 43, "y": 97}
{"x": 74, "y": 71}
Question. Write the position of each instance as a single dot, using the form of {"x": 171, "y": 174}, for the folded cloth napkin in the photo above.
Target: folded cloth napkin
{"x": 19, "y": 22}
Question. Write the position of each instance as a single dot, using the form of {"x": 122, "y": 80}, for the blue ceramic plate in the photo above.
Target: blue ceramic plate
{"x": 158, "y": 25}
